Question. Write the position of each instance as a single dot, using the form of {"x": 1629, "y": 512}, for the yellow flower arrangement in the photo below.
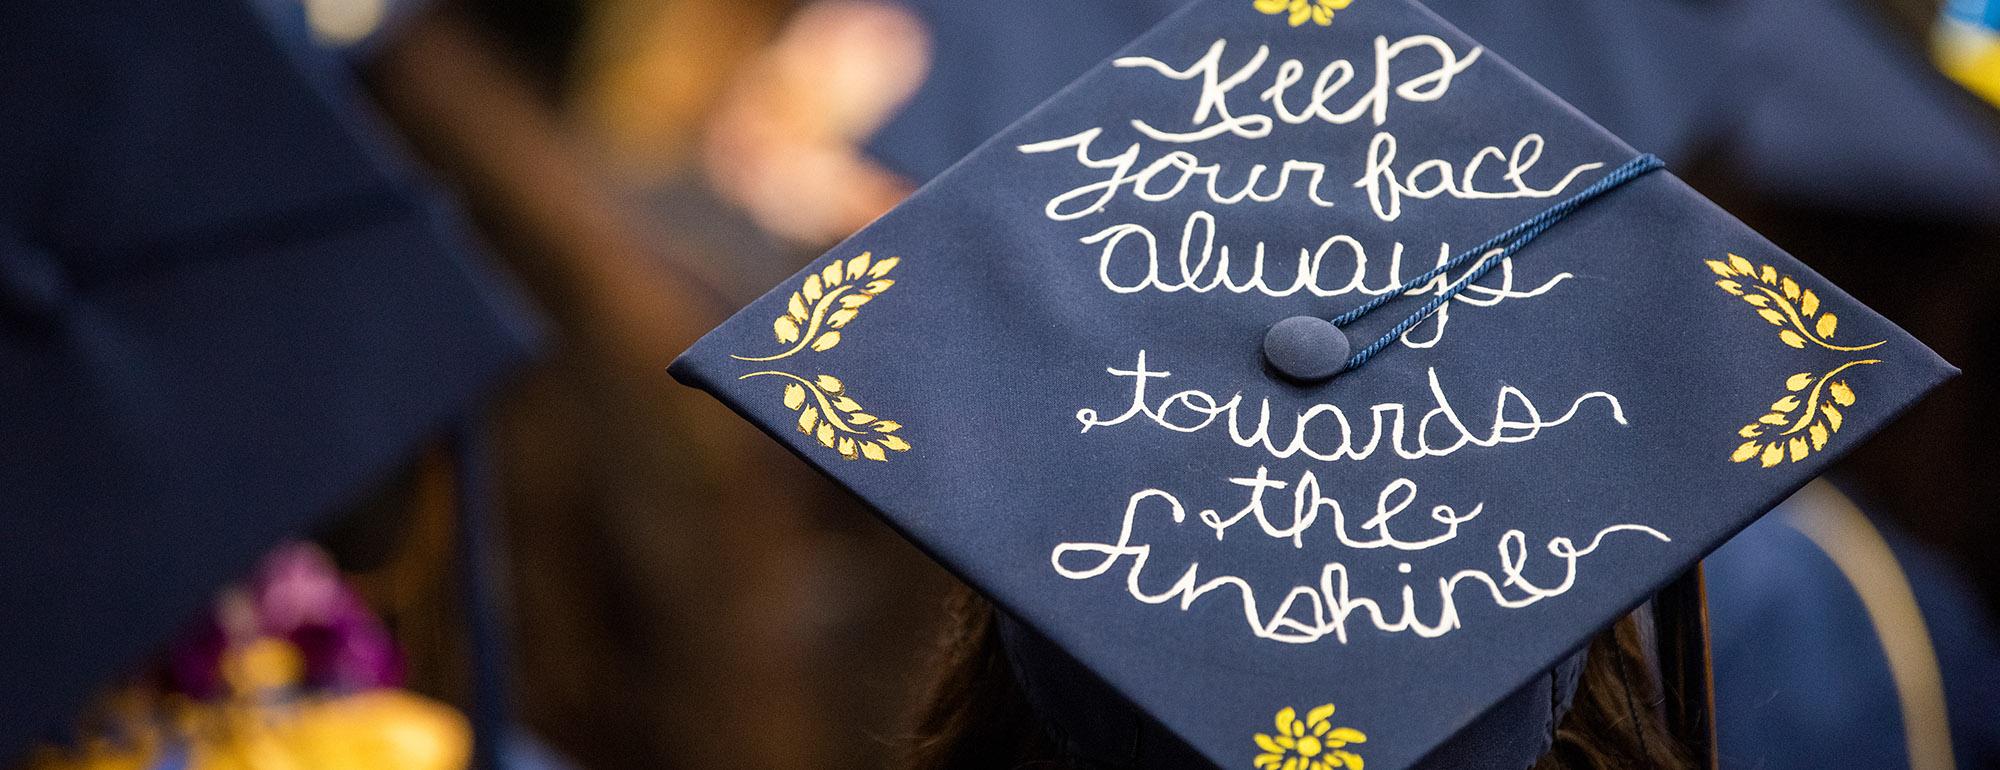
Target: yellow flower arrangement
{"x": 1312, "y": 744}
{"x": 265, "y": 726}
{"x": 1319, "y": 11}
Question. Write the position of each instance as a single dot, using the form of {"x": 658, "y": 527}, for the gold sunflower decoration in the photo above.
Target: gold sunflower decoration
{"x": 1300, "y": 11}
{"x": 1311, "y": 744}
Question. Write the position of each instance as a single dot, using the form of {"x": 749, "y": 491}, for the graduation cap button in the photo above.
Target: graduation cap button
{"x": 1306, "y": 349}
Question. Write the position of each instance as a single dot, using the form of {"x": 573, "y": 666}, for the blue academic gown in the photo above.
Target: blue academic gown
{"x": 1808, "y": 674}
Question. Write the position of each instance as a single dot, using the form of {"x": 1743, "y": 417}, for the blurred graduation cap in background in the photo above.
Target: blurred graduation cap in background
{"x": 1968, "y": 45}
{"x": 1828, "y": 623}
{"x": 1173, "y": 369}
{"x": 1813, "y": 102}
{"x": 231, "y": 311}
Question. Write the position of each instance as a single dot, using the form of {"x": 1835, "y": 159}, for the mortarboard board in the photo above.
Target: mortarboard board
{"x": 230, "y": 310}
{"x": 1087, "y": 367}
{"x": 1815, "y": 103}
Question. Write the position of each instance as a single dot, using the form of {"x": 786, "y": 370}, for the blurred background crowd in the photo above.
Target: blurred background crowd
{"x": 661, "y": 586}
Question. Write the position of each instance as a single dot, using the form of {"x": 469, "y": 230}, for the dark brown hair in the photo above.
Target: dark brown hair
{"x": 972, "y": 716}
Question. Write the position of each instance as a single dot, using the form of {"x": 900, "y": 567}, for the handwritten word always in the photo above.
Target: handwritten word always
{"x": 1202, "y": 267}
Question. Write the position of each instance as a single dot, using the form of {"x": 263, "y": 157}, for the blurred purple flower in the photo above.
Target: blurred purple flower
{"x": 297, "y": 595}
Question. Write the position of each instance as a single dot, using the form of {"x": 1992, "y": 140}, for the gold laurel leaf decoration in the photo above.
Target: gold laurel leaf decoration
{"x": 836, "y": 420}
{"x": 1782, "y": 302}
{"x": 1806, "y": 418}
{"x": 1797, "y": 426}
{"x": 828, "y": 301}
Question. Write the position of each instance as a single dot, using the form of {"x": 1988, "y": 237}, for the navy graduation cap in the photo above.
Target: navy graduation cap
{"x": 227, "y": 310}
{"x": 1814, "y": 102}
{"x": 1317, "y": 383}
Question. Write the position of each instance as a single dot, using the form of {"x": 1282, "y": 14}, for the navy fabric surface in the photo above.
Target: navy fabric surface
{"x": 227, "y": 310}
{"x": 1094, "y": 727}
{"x": 1815, "y": 102}
{"x": 1074, "y": 429}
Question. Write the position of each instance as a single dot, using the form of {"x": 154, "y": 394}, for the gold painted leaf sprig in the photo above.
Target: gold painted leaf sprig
{"x": 1780, "y": 301}
{"x": 834, "y": 419}
{"x": 1801, "y": 422}
{"x": 827, "y": 302}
